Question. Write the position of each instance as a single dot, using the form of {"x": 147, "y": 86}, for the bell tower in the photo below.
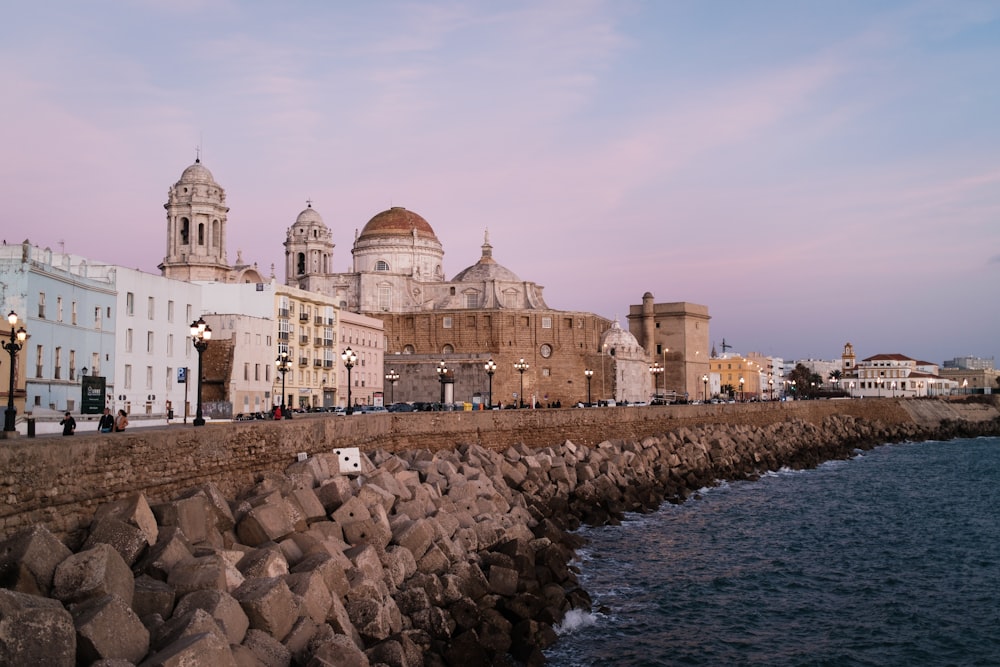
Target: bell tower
{"x": 847, "y": 360}
{"x": 309, "y": 252}
{"x": 196, "y": 228}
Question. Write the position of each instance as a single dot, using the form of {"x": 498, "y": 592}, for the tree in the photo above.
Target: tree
{"x": 807, "y": 383}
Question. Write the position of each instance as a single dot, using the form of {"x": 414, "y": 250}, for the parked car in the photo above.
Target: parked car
{"x": 400, "y": 407}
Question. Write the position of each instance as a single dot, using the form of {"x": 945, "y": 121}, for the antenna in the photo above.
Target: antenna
{"x": 725, "y": 346}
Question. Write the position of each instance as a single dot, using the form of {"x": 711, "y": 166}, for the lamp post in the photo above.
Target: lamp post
{"x": 490, "y": 367}
{"x": 442, "y": 371}
{"x": 350, "y": 358}
{"x": 520, "y": 367}
{"x": 741, "y": 389}
{"x": 770, "y": 389}
{"x": 201, "y": 333}
{"x": 590, "y": 374}
{"x": 13, "y": 347}
{"x": 704, "y": 379}
{"x": 851, "y": 386}
{"x": 880, "y": 382}
{"x": 392, "y": 376}
{"x": 656, "y": 370}
{"x": 893, "y": 385}
{"x": 284, "y": 365}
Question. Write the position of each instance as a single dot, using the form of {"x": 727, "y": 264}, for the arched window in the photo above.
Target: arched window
{"x": 216, "y": 234}
{"x": 300, "y": 263}
{"x": 185, "y": 231}
{"x": 201, "y": 233}
{"x": 407, "y": 349}
{"x": 381, "y": 265}
{"x": 448, "y": 349}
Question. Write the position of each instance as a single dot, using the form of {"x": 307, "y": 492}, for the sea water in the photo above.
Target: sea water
{"x": 889, "y": 558}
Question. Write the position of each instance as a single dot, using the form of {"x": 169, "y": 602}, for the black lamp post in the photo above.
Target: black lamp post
{"x": 520, "y": 367}
{"x": 283, "y": 365}
{"x": 392, "y": 376}
{"x": 350, "y": 358}
{"x": 656, "y": 370}
{"x": 704, "y": 379}
{"x": 442, "y": 371}
{"x": 201, "y": 333}
{"x": 13, "y": 347}
{"x": 491, "y": 368}
{"x": 589, "y": 373}
{"x": 770, "y": 388}
{"x": 741, "y": 390}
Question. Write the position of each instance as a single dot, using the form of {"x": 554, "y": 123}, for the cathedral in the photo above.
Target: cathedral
{"x": 439, "y": 334}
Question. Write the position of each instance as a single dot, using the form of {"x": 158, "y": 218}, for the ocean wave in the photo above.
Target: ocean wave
{"x": 576, "y": 619}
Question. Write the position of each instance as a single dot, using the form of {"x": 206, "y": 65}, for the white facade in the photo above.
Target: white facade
{"x": 154, "y": 316}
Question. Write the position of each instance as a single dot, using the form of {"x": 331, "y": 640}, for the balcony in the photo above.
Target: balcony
{"x": 327, "y": 342}
{"x": 317, "y": 362}
{"x": 318, "y": 321}
{"x": 303, "y": 361}
{"x": 303, "y": 340}
{"x": 303, "y": 317}
{"x": 283, "y": 335}
{"x": 318, "y": 342}
{"x": 328, "y": 363}
{"x": 283, "y": 312}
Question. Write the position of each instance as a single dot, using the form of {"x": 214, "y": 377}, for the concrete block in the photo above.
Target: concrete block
{"x": 351, "y": 510}
{"x": 308, "y": 504}
{"x": 349, "y": 460}
{"x": 193, "y": 515}
{"x": 171, "y": 548}
{"x": 269, "y": 522}
{"x": 200, "y": 649}
{"x": 311, "y": 587}
{"x": 192, "y": 622}
{"x": 338, "y": 651}
{"x": 107, "y": 628}
{"x": 128, "y": 540}
{"x": 203, "y": 573}
{"x": 96, "y": 572}
{"x": 265, "y": 562}
{"x": 268, "y": 604}
{"x": 269, "y": 651}
{"x": 217, "y": 502}
{"x": 152, "y": 596}
{"x": 334, "y": 492}
{"x": 35, "y": 631}
{"x": 28, "y": 560}
{"x": 133, "y": 510}
{"x": 222, "y": 607}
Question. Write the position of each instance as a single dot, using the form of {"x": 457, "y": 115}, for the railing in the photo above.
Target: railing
{"x": 303, "y": 317}
{"x": 317, "y": 362}
{"x": 303, "y": 340}
{"x": 303, "y": 361}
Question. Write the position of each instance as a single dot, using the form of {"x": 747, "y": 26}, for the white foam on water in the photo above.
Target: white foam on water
{"x": 575, "y": 619}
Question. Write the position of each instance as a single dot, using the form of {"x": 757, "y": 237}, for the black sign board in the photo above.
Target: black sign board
{"x": 94, "y": 395}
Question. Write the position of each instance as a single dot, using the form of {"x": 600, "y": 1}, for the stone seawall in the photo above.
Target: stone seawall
{"x": 59, "y": 482}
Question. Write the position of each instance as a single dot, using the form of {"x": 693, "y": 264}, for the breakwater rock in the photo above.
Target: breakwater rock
{"x": 450, "y": 557}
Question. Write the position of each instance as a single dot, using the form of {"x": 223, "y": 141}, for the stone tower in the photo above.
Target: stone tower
{"x": 848, "y": 362}
{"x": 196, "y": 228}
{"x": 309, "y": 252}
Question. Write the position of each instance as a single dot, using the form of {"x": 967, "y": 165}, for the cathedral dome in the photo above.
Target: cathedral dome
{"x": 397, "y": 221}
{"x": 486, "y": 268}
{"x": 621, "y": 343}
{"x": 197, "y": 173}
{"x": 309, "y": 216}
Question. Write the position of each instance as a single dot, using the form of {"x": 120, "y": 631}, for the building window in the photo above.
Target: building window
{"x": 381, "y": 266}
{"x": 170, "y": 345}
{"x": 57, "y": 371}
{"x": 150, "y": 308}
{"x": 97, "y": 318}
{"x": 72, "y": 364}
{"x": 446, "y": 322}
{"x": 128, "y": 376}
{"x": 129, "y": 304}
{"x": 39, "y": 357}
{"x": 149, "y": 377}
{"x": 170, "y": 311}
{"x": 41, "y": 305}
{"x": 59, "y": 309}
{"x": 73, "y": 313}
{"x": 256, "y": 372}
{"x": 447, "y": 349}
{"x": 471, "y": 300}
{"x": 149, "y": 342}
{"x": 384, "y": 298}
{"x": 128, "y": 340}
{"x": 546, "y": 322}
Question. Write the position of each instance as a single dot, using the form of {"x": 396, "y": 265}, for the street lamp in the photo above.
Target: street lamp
{"x": 284, "y": 365}
{"x": 704, "y": 379}
{"x": 770, "y": 389}
{"x": 13, "y": 347}
{"x": 880, "y": 382}
{"x": 589, "y": 373}
{"x": 490, "y": 367}
{"x": 392, "y": 376}
{"x": 656, "y": 370}
{"x": 201, "y": 333}
{"x": 350, "y": 358}
{"x": 893, "y": 388}
{"x": 520, "y": 367}
{"x": 741, "y": 389}
{"x": 442, "y": 371}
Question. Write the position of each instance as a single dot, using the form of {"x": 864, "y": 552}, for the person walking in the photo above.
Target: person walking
{"x": 107, "y": 423}
{"x": 121, "y": 421}
{"x": 68, "y": 424}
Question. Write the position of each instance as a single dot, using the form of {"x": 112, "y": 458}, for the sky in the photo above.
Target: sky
{"x": 815, "y": 173}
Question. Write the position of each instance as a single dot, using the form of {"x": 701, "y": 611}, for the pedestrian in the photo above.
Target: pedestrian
{"x": 107, "y": 423}
{"x": 121, "y": 421}
{"x": 68, "y": 424}
{"x": 277, "y": 412}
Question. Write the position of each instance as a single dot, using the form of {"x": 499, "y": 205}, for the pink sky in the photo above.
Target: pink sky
{"x": 814, "y": 175}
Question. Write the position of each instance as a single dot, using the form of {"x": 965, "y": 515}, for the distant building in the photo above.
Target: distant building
{"x": 892, "y": 375}
{"x": 970, "y": 363}
{"x": 676, "y": 335}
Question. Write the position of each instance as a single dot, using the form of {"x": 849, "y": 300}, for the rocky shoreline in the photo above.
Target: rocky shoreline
{"x": 452, "y": 557}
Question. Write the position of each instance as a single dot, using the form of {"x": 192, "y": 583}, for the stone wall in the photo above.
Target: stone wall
{"x": 59, "y": 482}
